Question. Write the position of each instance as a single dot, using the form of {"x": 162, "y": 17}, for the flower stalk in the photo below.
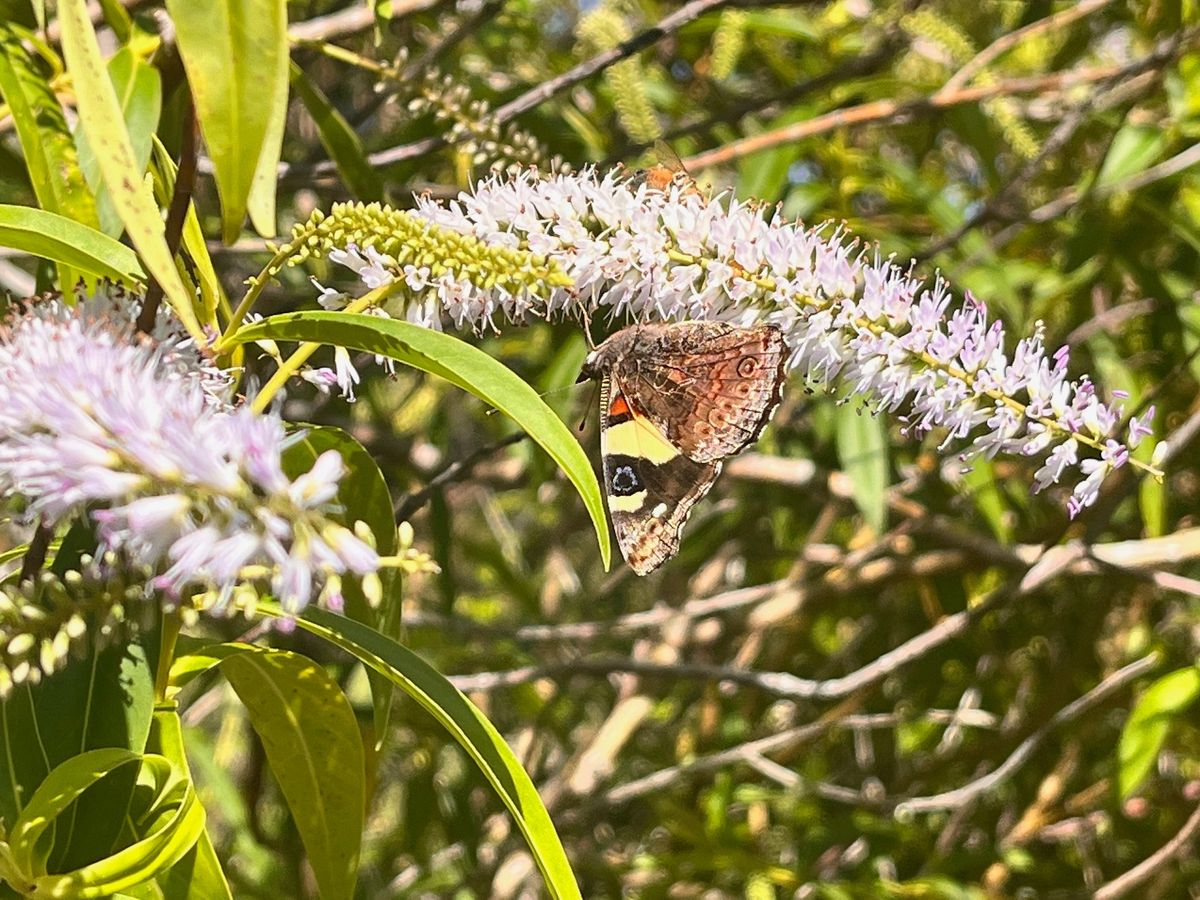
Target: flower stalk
{"x": 854, "y": 322}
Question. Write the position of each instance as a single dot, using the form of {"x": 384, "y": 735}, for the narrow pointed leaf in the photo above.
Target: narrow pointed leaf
{"x": 100, "y": 117}
{"x": 236, "y": 54}
{"x": 46, "y": 142}
{"x": 139, "y": 93}
{"x": 460, "y": 364}
{"x": 263, "y": 186}
{"x": 339, "y": 139}
{"x": 313, "y": 744}
{"x": 467, "y": 725}
{"x": 863, "y": 453}
{"x": 198, "y": 875}
{"x": 163, "y": 805}
{"x": 362, "y": 495}
{"x": 46, "y": 724}
{"x": 66, "y": 241}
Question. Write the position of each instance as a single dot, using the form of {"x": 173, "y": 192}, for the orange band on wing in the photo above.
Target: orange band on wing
{"x": 618, "y": 407}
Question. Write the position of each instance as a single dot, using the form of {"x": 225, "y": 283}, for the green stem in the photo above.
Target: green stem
{"x": 171, "y": 623}
{"x": 247, "y": 303}
{"x": 300, "y": 356}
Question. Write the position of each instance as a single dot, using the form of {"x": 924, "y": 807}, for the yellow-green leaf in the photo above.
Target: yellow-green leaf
{"x": 46, "y": 142}
{"x": 139, "y": 92}
{"x": 467, "y": 725}
{"x": 100, "y": 116}
{"x": 64, "y": 240}
{"x": 460, "y": 364}
{"x": 236, "y": 56}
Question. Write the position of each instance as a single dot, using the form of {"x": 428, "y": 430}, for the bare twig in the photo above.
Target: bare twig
{"x": 1148, "y": 554}
{"x": 1074, "y": 196}
{"x": 538, "y": 95}
{"x": 1025, "y": 750}
{"x": 769, "y": 104}
{"x": 753, "y": 752}
{"x": 487, "y": 11}
{"x": 351, "y": 20}
{"x": 1183, "y": 842}
{"x": 890, "y": 110}
{"x": 455, "y": 471}
{"x": 181, "y": 198}
{"x": 1129, "y": 82}
{"x": 1006, "y": 42}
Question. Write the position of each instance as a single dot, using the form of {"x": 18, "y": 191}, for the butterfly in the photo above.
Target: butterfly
{"x": 675, "y": 400}
{"x": 667, "y": 171}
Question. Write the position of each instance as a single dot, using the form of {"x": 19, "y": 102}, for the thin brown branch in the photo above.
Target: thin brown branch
{"x": 851, "y": 575}
{"x": 487, "y": 11}
{"x": 1183, "y": 843}
{"x": 1006, "y": 42}
{"x": 770, "y": 104}
{"x": 352, "y": 20}
{"x": 551, "y": 88}
{"x": 1024, "y": 751}
{"x": 1130, "y": 82}
{"x": 894, "y": 109}
{"x": 181, "y": 198}
{"x": 455, "y": 471}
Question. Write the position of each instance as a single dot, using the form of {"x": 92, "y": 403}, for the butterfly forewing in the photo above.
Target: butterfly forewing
{"x": 711, "y": 388}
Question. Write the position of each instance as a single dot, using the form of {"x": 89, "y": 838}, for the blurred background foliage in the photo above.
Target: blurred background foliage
{"x": 1042, "y": 156}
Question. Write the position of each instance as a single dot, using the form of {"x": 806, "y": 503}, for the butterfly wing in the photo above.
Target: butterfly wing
{"x": 709, "y": 387}
{"x": 651, "y": 485}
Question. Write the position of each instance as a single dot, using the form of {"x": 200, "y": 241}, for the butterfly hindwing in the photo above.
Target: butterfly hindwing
{"x": 651, "y": 486}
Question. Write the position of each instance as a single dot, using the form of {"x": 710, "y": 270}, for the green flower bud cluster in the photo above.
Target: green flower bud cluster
{"x": 43, "y": 621}
{"x": 406, "y": 241}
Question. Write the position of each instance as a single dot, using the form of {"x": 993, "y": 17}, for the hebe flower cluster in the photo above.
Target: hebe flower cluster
{"x": 850, "y": 318}
{"x": 141, "y": 433}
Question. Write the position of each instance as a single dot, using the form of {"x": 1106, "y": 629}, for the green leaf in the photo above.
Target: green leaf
{"x": 466, "y": 724}
{"x": 236, "y": 55}
{"x": 139, "y": 93}
{"x": 339, "y": 139}
{"x": 312, "y": 742}
{"x": 104, "y": 699}
{"x": 46, "y": 141}
{"x": 198, "y": 875}
{"x": 863, "y": 454}
{"x": 362, "y": 492}
{"x": 1147, "y": 726}
{"x": 156, "y": 824}
{"x": 221, "y": 793}
{"x": 117, "y": 18}
{"x": 261, "y": 202}
{"x": 765, "y": 174}
{"x": 63, "y": 240}
{"x": 100, "y": 117}
{"x": 1133, "y": 149}
{"x": 460, "y": 364}
{"x": 984, "y": 492}
{"x": 363, "y": 495}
